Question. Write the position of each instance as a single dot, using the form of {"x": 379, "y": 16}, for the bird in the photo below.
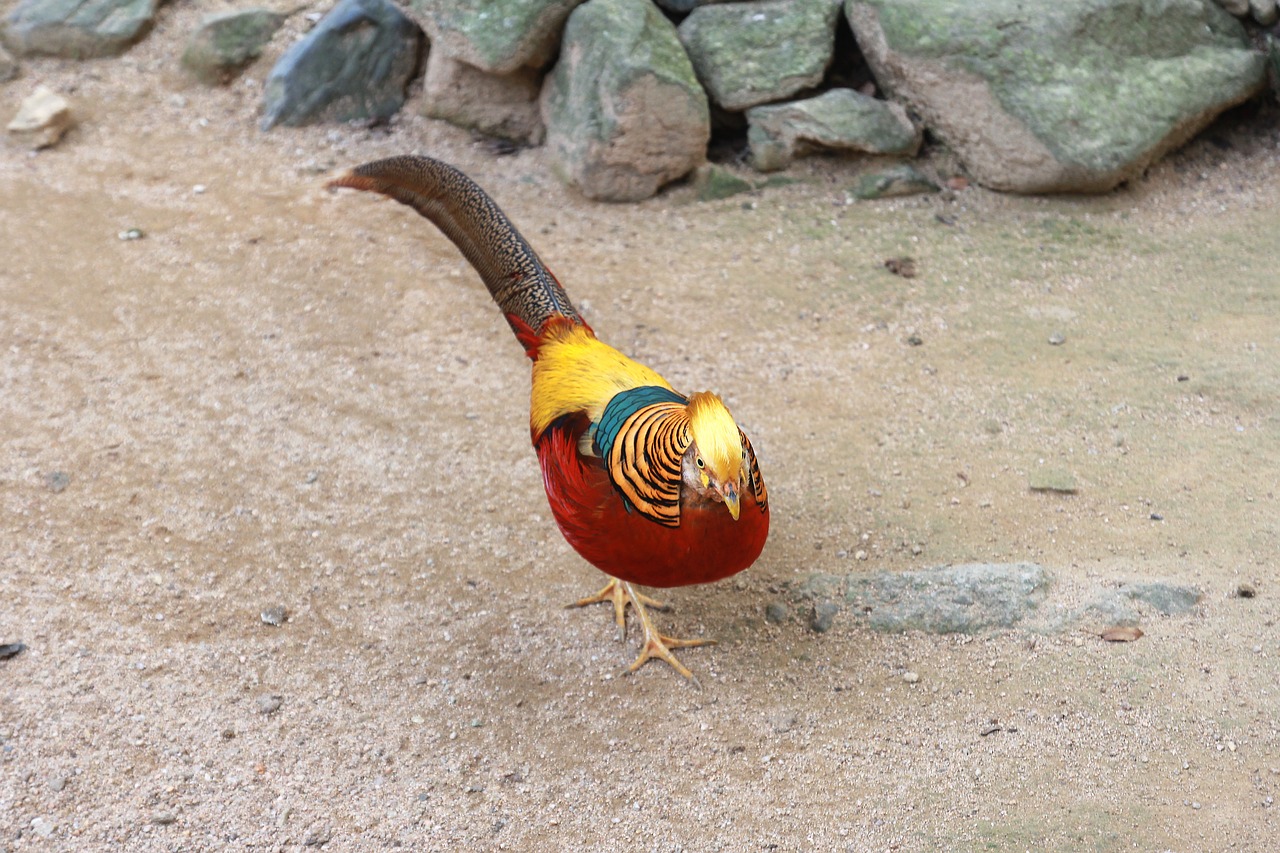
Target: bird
{"x": 653, "y": 487}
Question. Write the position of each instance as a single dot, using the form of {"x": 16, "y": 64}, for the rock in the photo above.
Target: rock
{"x": 840, "y": 119}
{"x": 225, "y": 43}
{"x": 41, "y": 121}
{"x": 498, "y": 36}
{"x": 775, "y": 612}
{"x": 8, "y": 65}
{"x": 897, "y": 181}
{"x": 1239, "y": 8}
{"x": 1264, "y": 11}
{"x": 1052, "y": 480}
{"x": 77, "y": 29}
{"x": 269, "y": 703}
{"x": 911, "y": 677}
{"x": 42, "y": 827}
{"x": 57, "y": 782}
{"x": 949, "y": 599}
{"x": 623, "y": 110}
{"x": 748, "y": 54}
{"x": 686, "y": 5}
{"x": 164, "y": 818}
{"x": 355, "y": 64}
{"x": 57, "y": 481}
{"x": 1078, "y": 97}
{"x": 824, "y": 616}
{"x": 502, "y": 105}
{"x": 274, "y": 616}
{"x": 716, "y": 182}
{"x": 9, "y": 650}
{"x": 1168, "y": 598}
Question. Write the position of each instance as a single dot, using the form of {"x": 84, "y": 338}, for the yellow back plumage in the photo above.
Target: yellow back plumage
{"x": 574, "y": 372}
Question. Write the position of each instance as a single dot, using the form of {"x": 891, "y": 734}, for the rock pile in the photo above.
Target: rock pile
{"x": 1030, "y": 95}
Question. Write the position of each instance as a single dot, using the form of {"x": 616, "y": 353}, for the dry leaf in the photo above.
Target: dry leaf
{"x": 1121, "y": 634}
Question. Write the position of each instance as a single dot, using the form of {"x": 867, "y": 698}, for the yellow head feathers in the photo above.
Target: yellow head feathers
{"x": 716, "y": 434}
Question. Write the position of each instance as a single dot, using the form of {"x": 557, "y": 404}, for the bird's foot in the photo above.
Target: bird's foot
{"x": 658, "y": 645}
{"x": 620, "y": 594}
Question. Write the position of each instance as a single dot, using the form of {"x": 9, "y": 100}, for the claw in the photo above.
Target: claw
{"x": 656, "y": 645}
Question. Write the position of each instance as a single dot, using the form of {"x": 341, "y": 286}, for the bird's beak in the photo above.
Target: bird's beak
{"x": 729, "y": 492}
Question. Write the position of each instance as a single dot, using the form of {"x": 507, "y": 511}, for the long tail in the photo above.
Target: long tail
{"x": 520, "y": 283}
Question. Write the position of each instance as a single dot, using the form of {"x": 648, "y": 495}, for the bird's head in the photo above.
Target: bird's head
{"x": 713, "y": 464}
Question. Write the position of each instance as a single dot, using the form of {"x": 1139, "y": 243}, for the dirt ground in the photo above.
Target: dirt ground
{"x": 283, "y": 397}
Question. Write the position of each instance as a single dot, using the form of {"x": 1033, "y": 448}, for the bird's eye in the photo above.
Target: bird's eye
{"x": 701, "y": 464}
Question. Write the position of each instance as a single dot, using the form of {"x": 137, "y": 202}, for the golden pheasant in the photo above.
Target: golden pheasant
{"x": 650, "y": 486}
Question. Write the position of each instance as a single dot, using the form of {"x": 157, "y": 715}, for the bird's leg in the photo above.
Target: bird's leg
{"x": 615, "y": 594}
{"x": 656, "y": 644}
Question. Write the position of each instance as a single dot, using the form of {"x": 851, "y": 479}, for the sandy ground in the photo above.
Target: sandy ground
{"x": 286, "y": 397}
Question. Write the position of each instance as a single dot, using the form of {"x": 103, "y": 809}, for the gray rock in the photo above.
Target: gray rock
{"x": 1168, "y": 598}
{"x": 502, "y": 105}
{"x": 226, "y": 42}
{"x": 776, "y": 612}
{"x": 42, "y": 827}
{"x": 355, "y": 64}
{"x": 897, "y": 181}
{"x": 498, "y": 36}
{"x": 274, "y": 616}
{"x": 747, "y": 54}
{"x": 8, "y": 65}
{"x": 824, "y": 616}
{"x": 1239, "y": 8}
{"x": 42, "y": 119}
{"x": 77, "y": 29}
{"x": 1264, "y": 11}
{"x": 840, "y": 119}
{"x": 269, "y": 703}
{"x": 50, "y": 108}
{"x": 1077, "y": 97}
{"x": 686, "y": 5}
{"x": 623, "y": 110}
{"x": 949, "y": 599}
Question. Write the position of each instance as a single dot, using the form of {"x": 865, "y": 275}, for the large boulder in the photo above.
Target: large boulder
{"x": 77, "y": 29}
{"x": 753, "y": 53}
{"x": 623, "y": 110}
{"x": 225, "y": 42}
{"x": 1069, "y": 95}
{"x": 502, "y": 105}
{"x": 837, "y": 120}
{"x": 498, "y": 36}
{"x": 355, "y": 64}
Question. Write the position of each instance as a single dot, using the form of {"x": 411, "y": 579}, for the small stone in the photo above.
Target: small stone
{"x": 57, "y": 481}
{"x": 910, "y": 677}
{"x": 775, "y": 612}
{"x": 1246, "y": 590}
{"x": 824, "y": 615}
{"x": 131, "y": 234}
{"x": 275, "y": 616}
{"x": 228, "y": 733}
{"x": 57, "y": 782}
{"x": 164, "y": 818}
{"x": 860, "y": 555}
{"x": 9, "y": 650}
{"x": 269, "y": 703}
{"x": 1057, "y": 339}
{"x": 42, "y": 827}
{"x": 897, "y": 181}
{"x": 42, "y": 119}
{"x": 716, "y": 182}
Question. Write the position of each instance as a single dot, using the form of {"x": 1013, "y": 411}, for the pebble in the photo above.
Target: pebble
{"x": 58, "y": 782}
{"x": 775, "y": 612}
{"x": 275, "y": 616}
{"x": 42, "y": 827}
{"x": 824, "y": 615}
{"x": 9, "y": 650}
{"x": 1246, "y": 590}
{"x": 910, "y": 677}
{"x": 164, "y": 818}
{"x": 57, "y": 481}
{"x": 131, "y": 234}
{"x": 1057, "y": 339}
{"x": 270, "y": 703}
